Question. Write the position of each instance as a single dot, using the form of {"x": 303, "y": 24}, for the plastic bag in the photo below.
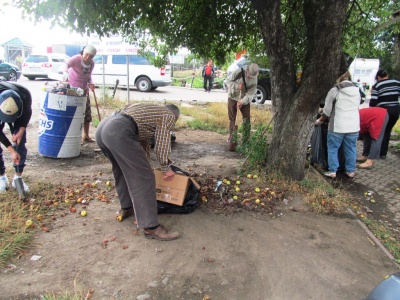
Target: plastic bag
{"x": 318, "y": 153}
{"x": 190, "y": 203}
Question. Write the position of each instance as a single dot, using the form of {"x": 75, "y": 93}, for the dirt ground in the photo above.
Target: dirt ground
{"x": 225, "y": 251}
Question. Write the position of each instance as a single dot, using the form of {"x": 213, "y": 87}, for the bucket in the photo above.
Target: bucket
{"x": 60, "y": 125}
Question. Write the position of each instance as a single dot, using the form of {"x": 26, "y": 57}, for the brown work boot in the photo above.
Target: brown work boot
{"x": 161, "y": 234}
{"x": 125, "y": 213}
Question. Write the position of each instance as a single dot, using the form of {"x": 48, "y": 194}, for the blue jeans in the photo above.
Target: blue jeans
{"x": 349, "y": 140}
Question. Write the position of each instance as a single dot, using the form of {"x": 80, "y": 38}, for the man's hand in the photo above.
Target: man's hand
{"x": 239, "y": 104}
{"x": 16, "y": 138}
{"x": 319, "y": 122}
{"x": 169, "y": 175}
{"x": 91, "y": 87}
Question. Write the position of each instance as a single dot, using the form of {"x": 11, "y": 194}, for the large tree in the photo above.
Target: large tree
{"x": 294, "y": 33}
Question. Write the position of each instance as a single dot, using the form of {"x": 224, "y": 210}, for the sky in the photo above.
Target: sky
{"x": 40, "y": 36}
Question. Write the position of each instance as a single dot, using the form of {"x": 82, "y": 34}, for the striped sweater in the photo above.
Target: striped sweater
{"x": 385, "y": 93}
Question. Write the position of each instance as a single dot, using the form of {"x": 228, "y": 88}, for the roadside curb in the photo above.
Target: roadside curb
{"x": 374, "y": 238}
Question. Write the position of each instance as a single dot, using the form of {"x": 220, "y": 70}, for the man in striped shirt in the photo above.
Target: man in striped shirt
{"x": 124, "y": 138}
{"x": 385, "y": 94}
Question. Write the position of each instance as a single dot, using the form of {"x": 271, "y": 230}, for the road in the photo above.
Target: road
{"x": 162, "y": 93}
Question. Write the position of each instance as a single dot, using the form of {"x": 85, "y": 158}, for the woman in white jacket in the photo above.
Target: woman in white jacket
{"x": 341, "y": 107}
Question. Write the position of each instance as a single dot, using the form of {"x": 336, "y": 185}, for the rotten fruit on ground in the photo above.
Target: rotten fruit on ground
{"x": 28, "y": 223}
{"x": 108, "y": 183}
{"x": 39, "y": 217}
{"x": 225, "y": 180}
{"x": 94, "y": 184}
{"x": 73, "y": 209}
{"x": 249, "y": 176}
{"x": 204, "y": 198}
{"x": 237, "y": 189}
{"x": 257, "y": 190}
{"x": 258, "y": 201}
{"x": 119, "y": 218}
{"x": 83, "y": 213}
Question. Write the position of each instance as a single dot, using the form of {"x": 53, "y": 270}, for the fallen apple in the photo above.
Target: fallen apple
{"x": 119, "y": 218}
{"x": 83, "y": 213}
{"x": 73, "y": 209}
{"x": 257, "y": 190}
{"x": 108, "y": 183}
{"x": 94, "y": 184}
{"x": 237, "y": 189}
{"x": 228, "y": 182}
{"x": 249, "y": 176}
{"x": 255, "y": 176}
{"x": 235, "y": 197}
{"x": 238, "y": 182}
{"x": 28, "y": 223}
{"x": 257, "y": 201}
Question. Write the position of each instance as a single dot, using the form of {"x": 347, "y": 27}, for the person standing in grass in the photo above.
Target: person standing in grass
{"x": 208, "y": 75}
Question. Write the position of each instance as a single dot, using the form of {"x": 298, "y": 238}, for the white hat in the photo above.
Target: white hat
{"x": 90, "y": 49}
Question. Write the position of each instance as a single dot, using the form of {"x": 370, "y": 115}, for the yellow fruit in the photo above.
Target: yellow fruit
{"x": 71, "y": 194}
{"x": 66, "y": 201}
{"x": 238, "y": 182}
{"x": 235, "y": 197}
{"x": 237, "y": 189}
{"x": 77, "y": 191}
{"x": 119, "y": 218}
{"x": 257, "y": 190}
{"x": 228, "y": 182}
{"x": 108, "y": 183}
{"x": 219, "y": 165}
{"x": 39, "y": 217}
{"x": 79, "y": 200}
{"x": 255, "y": 176}
{"x": 204, "y": 198}
{"x": 94, "y": 184}
{"x": 249, "y": 176}
{"x": 83, "y": 213}
{"x": 258, "y": 201}
{"x": 28, "y": 223}
{"x": 224, "y": 181}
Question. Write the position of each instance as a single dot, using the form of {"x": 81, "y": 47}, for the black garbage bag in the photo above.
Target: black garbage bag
{"x": 318, "y": 154}
{"x": 190, "y": 203}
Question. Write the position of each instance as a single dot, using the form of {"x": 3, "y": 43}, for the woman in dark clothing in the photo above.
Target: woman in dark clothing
{"x": 385, "y": 94}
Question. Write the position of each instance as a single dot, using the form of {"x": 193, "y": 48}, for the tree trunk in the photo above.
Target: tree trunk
{"x": 295, "y": 107}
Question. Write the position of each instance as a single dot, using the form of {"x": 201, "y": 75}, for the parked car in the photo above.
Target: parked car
{"x": 263, "y": 92}
{"x": 141, "y": 74}
{"x": 41, "y": 65}
{"x": 9, "y": 72}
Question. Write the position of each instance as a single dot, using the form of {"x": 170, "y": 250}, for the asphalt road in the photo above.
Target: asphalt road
{"x": 160, "y": 94}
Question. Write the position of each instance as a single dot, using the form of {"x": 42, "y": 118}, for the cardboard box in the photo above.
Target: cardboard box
{"x": 173, "y": 191}
{"x": 71, "y": 92}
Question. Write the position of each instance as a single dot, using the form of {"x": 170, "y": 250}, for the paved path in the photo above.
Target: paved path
{"x": 382, "y": 180}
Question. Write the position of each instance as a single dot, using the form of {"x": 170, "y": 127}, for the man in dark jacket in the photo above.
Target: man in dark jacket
{"x": 16, "y": 111}
{"x": 208, "y": 75}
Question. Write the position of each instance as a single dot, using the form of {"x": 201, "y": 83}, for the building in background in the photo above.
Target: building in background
{"x": 363, "y": 70}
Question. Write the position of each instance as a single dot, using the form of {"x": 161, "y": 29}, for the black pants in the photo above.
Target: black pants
{"x": 393, "y": 113}
{"x": 209, "y": 79}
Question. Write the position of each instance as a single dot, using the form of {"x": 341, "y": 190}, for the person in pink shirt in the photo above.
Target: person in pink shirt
{"x": 373, "y": 121}
{"x": 78, "y": 72}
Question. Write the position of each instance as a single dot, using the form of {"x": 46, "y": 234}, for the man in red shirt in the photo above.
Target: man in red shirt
{"x": 208, "y": 75}
{"x": 373, "y": 122}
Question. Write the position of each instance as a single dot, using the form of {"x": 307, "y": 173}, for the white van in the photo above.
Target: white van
{"x": 141, "y": 74}
{"x": 43, "y": 65}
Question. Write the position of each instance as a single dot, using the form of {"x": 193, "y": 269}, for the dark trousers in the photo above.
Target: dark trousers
{"x": 22, "y": 151}
{"x": 209, "y": 79}
{"x": 232, "y": 113}
{"x": 134, "y": 177}
{"x": 393, "y": 113}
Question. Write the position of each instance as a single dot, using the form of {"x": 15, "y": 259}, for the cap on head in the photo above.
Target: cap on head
{"x": 253, "y": 69}
{"x": 10, "y": 106}
{"x": 90, "y": 49}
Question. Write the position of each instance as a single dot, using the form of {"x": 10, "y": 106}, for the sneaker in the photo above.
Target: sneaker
{"x": 3, "y": 183}
{"x": 26, "y": 188}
